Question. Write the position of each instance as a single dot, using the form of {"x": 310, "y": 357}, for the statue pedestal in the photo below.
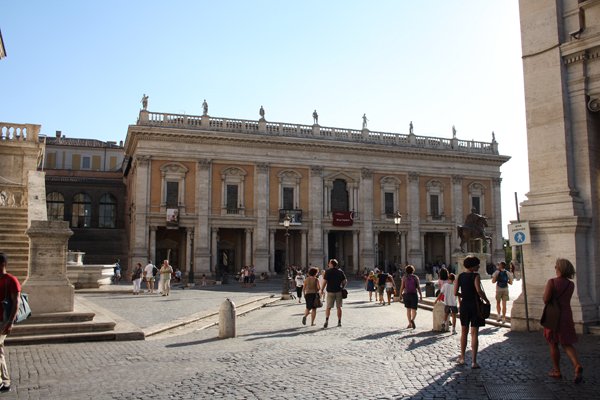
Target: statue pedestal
{"x": 47, "y": 284}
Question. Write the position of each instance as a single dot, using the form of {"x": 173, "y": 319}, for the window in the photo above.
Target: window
{"x": 50, "y": 160}
{"x": 173, "y": 186}
{"x": 477, "y": 197}
{"x": 389, "y": 203}
{"x": 85, "y": 162}
{"x": 288, "y": 198}
{"x": 82, "y": 211}
{"x": 172, "y": 194}
{"x": 232, "y": 191}
{"x": 435, "y": 205}
{"x": 339, "y": 196}
{"x": 232, "y": 199}
{"x": 55, "y": 204}
{"x": 107, "y": 211}
{"x": 390, "y": 196}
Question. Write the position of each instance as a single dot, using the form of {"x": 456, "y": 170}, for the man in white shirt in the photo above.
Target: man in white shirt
{"x": 149, "y": 276}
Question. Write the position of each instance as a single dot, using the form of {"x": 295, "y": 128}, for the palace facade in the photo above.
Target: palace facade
{"x": 211, "y": 194}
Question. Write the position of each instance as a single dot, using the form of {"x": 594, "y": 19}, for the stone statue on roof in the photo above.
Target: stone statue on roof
{"x": 315, "y": 117}
{"x": 262, "y": 112}
{"x": 204, "y": 107}
{"x": 410, "y": 128}
{"x": 453, "y": 132}
{"x": 144, "y": 102}
{"x": 365, "y": 120}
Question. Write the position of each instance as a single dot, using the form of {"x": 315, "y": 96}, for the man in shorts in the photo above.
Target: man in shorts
{"x": 334, "y": 282}
{"x": 149, "y": 276}
{"x": 502, "y": 278}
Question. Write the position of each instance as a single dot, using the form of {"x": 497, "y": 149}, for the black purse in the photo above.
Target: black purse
{"x": 551, "y": 314}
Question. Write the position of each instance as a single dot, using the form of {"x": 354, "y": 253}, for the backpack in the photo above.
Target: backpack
{"x": 502, "y": 279}
{"x": 410, "y": 284}
{"x": 382, "y": 278}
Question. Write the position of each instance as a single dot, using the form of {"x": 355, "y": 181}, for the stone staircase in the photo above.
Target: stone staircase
{"x": 86, "y": 323}
{"x": 14, "y": 242}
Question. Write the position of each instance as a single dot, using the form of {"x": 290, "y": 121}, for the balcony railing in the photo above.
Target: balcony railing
{"x": 262, "y": 127}
{"x": 294, "y": 214}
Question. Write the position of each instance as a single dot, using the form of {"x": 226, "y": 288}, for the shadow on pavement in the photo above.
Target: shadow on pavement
{"x": 281, "y": 333}
{"x": 194, "y": 343}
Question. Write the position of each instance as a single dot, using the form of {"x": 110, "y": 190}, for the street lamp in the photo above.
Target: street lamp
{"x": 398, "y": 221}
{"x": 285, "y": 291}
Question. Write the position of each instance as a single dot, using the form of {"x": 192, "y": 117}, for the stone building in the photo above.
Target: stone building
{"x": 561, "y": 64}
{"x": 211, "y": 194}
{"x": 84, "y": 185}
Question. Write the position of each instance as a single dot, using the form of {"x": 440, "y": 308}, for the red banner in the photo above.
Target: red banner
{"x": 343, "y": 218}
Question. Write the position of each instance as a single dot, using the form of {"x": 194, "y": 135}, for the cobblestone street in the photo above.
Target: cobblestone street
{"x": 372, "y": 356}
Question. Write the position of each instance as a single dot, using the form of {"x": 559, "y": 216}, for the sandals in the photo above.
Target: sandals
{"x": 578, "y": 374}
{"x": 554, "y": 374}
{"x": 475, "y": 366}
{"x": 461, "y": 361}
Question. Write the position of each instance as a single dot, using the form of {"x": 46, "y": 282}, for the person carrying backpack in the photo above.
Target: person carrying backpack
{"x": 408, "y": 290}
{"x": 502, "y": 278}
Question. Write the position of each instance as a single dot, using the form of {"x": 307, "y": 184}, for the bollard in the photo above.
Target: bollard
{"x": 227, "y": 320}
{"x": 438, "y": 316}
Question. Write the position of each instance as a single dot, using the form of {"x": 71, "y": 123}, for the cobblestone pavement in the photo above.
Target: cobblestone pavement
{"x": 274, "y": 356}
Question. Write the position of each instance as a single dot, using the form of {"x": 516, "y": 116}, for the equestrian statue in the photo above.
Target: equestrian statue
{"x": 473, "y": 228}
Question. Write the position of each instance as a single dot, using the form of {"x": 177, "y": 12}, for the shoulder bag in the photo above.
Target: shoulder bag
{"x": 23, "y": 312}
{"x": 551, "y": 314}
{"x": 483, "y": 309}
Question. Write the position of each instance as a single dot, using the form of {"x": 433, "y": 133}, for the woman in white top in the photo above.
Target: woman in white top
{"x": 165, "y": 278}
{"x": 299, "y": 285}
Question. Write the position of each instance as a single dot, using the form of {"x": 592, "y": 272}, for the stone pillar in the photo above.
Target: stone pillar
{"x": 202, "y": 240}
{"x": 152, "y": 246}
{"x": 248, "y": 247}
{"x": 497, "y": 250}
{"x": 457, "y": 208}
{"x": 415, "y": 252}
{"x": 139, "y": 232}
{"x": 303, "y": 252}
{"x": 447, "y": 252}
{"x": 261, "y": 196}
{"x": 367, "y": 254}
{"x": 355, "y": 250}
{"x": 189, "y": 259}
{"x": 272, "y": 250}
{"x": 316, "y": 250}
{"x": 47, "y": 284}
{"x": 214, "y": 254}
{"x": 325, "y": 248}
{"x": 403, "y": 236}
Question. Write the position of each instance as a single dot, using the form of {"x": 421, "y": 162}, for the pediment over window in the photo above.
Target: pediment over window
{"x": 174, "y": 168}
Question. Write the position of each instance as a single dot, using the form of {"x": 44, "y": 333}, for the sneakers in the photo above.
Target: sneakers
{"x": 304, "y": 320}
{"x": 503, "y": 320}
{"x": 325, "y": 324}
{"x": 339, "y": 323}
{"x": 4, "y": 388}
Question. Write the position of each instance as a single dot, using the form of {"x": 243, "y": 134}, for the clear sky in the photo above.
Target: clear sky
{"x": 82, "y": 67}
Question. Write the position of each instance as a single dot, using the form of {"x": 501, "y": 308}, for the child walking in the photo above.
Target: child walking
{"x": 449, "y": 299}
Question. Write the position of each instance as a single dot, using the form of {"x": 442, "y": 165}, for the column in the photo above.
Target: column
{"x": 316, "y": 250}
{"x": 498, "y": 247}
{"x": 403, "y": 247}
{"x": 261, "y": 201}
{"x": 457, "y": 208}
{"x": 415, "y": 250}
{"x": 367, "y": 255}
{"x": 189, "y": 256}
{"x": 152, "y": 245}
{"x": 214, "y": 251}
{"x": 248, "y": 247}
{"x": 323, "y": 261}
{"x": 140, "y": 209}
{"x": 272, "y": 250}
{"x": 303, "y": 252}
{"x": 355, "y": 251}
{"x": 447, "y": 252}
{"x": 203, "y": 262}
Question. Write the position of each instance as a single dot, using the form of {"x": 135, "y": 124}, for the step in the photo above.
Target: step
{"x": 62, "y": 328}
{"x": 61, "y": 317}
{"x": 63, "y": 338}
{"x": 594, "y": 329}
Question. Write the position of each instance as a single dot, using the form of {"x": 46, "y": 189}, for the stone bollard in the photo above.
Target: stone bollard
{"x": 438, "y": 317}
{"x": 227, "y": 320}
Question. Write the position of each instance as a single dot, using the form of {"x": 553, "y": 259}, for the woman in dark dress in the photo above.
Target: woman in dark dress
{"x": 468, "y": 290}
{"x": 562, "y": 288}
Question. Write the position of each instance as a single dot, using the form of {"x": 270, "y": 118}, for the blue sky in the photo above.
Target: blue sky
{"x": 82, "y": 67}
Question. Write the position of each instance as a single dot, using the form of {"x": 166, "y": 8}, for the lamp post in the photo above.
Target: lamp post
{"x": 285, "y": 291}
{"x": 398, "y": 221}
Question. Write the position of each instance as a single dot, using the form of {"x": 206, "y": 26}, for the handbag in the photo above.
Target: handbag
{"x": 24, "y": 310}
{"x": 344, "y": 294}
{"x": 551, "y": 314}
{"x": 318, "y": 303}
{"x": 483, "y": 309}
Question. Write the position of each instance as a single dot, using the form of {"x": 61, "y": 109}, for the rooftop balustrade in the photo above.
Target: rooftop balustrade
{"x": 263, "y": 127}
{"x": 19, "y": 132}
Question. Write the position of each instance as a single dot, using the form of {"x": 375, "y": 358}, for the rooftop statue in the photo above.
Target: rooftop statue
{"x": 144, "y": 102}
{"x": 315, "y": 117}
{"x": 262, "y": 112}
{"x": 410, "y": 128}
{"x": 204, "y": 107}
{"x": 365, "y": 121}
